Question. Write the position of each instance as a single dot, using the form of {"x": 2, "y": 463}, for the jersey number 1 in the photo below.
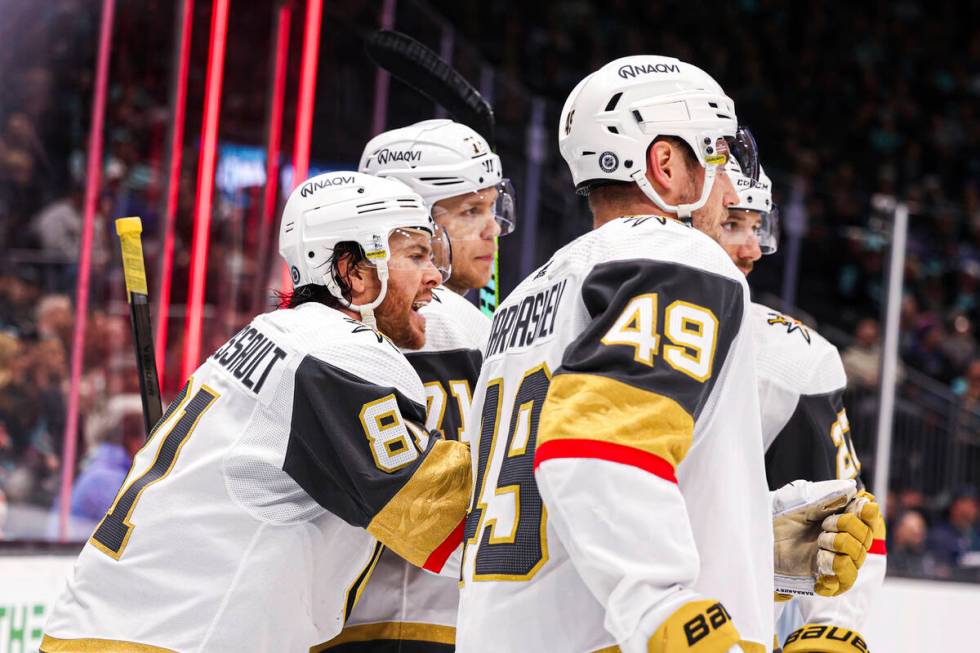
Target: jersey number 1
{"x": 113, "y": 532}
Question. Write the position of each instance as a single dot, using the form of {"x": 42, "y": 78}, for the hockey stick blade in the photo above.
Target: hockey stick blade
{"x": 425, "y": 71}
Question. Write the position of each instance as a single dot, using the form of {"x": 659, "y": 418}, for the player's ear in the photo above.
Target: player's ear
{"x": 662, "y": 160}
{"x": 362, "y": 279}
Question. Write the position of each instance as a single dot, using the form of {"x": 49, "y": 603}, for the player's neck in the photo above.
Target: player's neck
{"x": 608, "y": 212}
{"x": 354, "y": 315}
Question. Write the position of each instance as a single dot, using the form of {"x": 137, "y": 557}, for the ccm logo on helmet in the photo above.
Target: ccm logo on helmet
{"x": 385, "y": 156}
{"x": 630, "y": 71}
{"x": 314, "y": 186}
{"x": 743, "y": 183}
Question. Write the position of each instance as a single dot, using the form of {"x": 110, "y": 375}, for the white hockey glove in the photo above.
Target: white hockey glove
{"x": 820, "y": 537}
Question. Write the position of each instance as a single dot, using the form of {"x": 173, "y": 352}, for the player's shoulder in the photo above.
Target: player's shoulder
{"x": 346, "y": 349}
{"x": 647, "y": 241}
{"x": 666, "y": 241}
{"x": 452, "y": 322}
{"x": 793, "y": 354}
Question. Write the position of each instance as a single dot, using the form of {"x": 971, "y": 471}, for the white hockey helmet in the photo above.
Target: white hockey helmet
{"x": 339, "y": 207}
{"x": 439, "y": 159}
{"x": 757, "y": 196}
{"x": 612, "y": 116}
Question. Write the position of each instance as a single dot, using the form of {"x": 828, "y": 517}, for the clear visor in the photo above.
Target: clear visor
{"x": 741, "y": 148}
{"x": 481, "y": 214}
{"x": 744, "y": 228}
{"x": 417, "y": 249}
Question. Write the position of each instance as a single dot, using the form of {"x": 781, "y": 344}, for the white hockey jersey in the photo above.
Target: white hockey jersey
{"x": 252, "y": 518}
{"x": 618, "y": 461}
{"x": 807, "y": 436}
{"x": 402, "y": 603}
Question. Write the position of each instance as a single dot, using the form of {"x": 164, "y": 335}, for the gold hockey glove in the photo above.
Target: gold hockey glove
{"x": 696, "y": 627}
{"x": 845, "y": 543}
{"x": 814, "y": 638}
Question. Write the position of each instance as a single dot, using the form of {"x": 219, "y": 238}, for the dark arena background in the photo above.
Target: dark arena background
{"x": 200, "y": 116}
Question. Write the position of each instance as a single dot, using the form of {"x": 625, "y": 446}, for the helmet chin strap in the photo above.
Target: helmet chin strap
{"x": 682, "y": 211}
{"x": 366, "y": 310}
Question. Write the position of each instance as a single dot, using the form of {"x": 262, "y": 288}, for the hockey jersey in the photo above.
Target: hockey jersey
{"x": 253, "y": 516}
{"x": 401, "y": 603}
{"x": 807, "y": 436}
{"x": 618, "y": 462}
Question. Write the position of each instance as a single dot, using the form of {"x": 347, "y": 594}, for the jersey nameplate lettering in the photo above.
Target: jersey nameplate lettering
{"x": 250, "y": 357}
{"x": 522, "y": 324}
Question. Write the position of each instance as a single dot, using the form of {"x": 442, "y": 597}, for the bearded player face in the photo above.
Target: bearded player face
{"x": 412, "y": 275}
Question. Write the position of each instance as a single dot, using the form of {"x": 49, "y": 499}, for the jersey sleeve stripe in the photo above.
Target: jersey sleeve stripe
{"x": 55, "y": 645}
{"x": 419, "y": 519}
{"x": 609, "y": 451}
{"x": 589, "y": 407}
{"x": 878, "y": 547}
{"x": 437, "y": 559}
{"x": 878, "y": 544}
{"x": 390, "y": 631}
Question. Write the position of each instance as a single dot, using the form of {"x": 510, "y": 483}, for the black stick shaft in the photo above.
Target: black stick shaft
{"x": 143, "y": 341}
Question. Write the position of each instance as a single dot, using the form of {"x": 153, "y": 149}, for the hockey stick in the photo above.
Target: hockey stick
{"x": 426, "y": 72}
{"x": 134, "y": 270}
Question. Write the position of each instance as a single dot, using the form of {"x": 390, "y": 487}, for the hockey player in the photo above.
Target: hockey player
{"x": 457, "y": 174}
{"x": 460, "y": 178}
{"x": 804, "y": 424}
{"x": 253, "y": 516}
{"x": 616, "y": 501}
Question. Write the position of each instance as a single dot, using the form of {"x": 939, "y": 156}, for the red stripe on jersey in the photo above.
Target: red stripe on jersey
{"x": 878, "y": 547}
{"x": 616, "y": 453}
{"x": 437, "y": 558}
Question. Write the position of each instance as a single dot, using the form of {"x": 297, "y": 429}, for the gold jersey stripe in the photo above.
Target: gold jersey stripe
{"x": 391, "y": 630}
{"x": 753, "y": 647}
{"x": 591, "y": 407}
{"x": 429, "y": 507}
{"x": 90, "y": 645}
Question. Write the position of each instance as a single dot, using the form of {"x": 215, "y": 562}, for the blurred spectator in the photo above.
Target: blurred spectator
{"x": 911, "y": 499}
{"x": 55, "y": 319}
{"x": 971, "y": 396}
{"x": 967, "y": 293}
{"x": 58, "y": 229}
{"x": 20, "y": 290}
{"x": 58, "y": 226}
{"x": 928, "y": 355}
{"x": 957, "y": 533}
{"x": 960, "y": 345}
{"x": 862, "y": 360}
{"x": 907, "y": 555}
